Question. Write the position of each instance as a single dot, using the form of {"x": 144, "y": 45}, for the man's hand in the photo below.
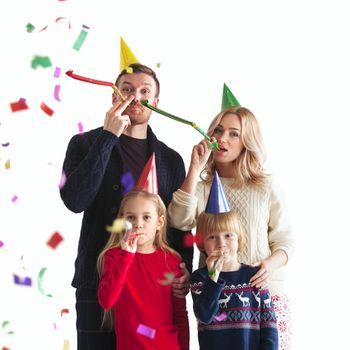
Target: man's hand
{"x": 181, "y": 285}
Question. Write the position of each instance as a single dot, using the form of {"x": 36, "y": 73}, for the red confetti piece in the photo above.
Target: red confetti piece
{"x": 54, "y": 240}
{"x": 64, "y": 311}
{"x": 60, "y": 18}
{"x": 191, "y": 239}
{"x": 19, "y": 106}
{"x": 46, "y": 109}
{"x": 57, "y": 92}
{"x": 5, "y": 348}
{"x": 146, "y": 331}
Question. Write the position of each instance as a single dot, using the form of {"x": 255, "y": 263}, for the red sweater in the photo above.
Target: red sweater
{"x": 130, "y": 284}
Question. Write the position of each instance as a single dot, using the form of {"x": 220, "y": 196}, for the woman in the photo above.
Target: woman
{"x": 252, "y": 193}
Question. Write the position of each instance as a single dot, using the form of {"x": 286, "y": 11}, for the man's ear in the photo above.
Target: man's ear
{"x": 155, "y": 102}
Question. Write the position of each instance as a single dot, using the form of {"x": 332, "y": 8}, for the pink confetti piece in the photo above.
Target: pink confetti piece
{"x": 80, "y": 127}
{"x": 2, "y": 244}
{"x": 22, "y": 281}
{"x": 221, "y": 317}
{"x": 14, "y": 198}
{"x": 56, "y": 93}
{"x": 46, "y": 109}
{"x": 190, "y": 239}
{"x": 146, "y": 331}
{"x": 62, "y": 181}
{"x": 57, "y": 72}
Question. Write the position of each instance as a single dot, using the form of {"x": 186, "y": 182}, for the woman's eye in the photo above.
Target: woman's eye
{"x": 234, "y": 134}
{"x": 218, "y": 131}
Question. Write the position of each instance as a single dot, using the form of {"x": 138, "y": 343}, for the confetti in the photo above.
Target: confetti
{"x": 2, "y": 244}
{"x": 46, "y": 109}
{"x": 14, "y": 198}
{"x": 118, "y": 226}
{"x": 40, "y": 282}
{"x": 158, "y": 65}
{"x": 64, "y": 311}
{"x": 57, "y": 92}
{"x": 60, "y": 18}
{"x": 18, "y": 106}
{"x": 66, "y": 344}
{"x": 81, "y": 38}
{"x": 128, "y": 182}
{"x": 54, "y": 240}
{"x": 63, "y": 180}
{"x": 8, "y": 164}
{"x": 221, "y": 317}
{"x": 5, "y": 144}
{"x": 169, "y": 278}
{"x": 190, "y": 239}
{"x": 146, "y": 331}
{"x": 22, "y": 281}
{"x": 57, "y": 72}
{"x": 30, "y": 27}
{"x": 80, "y": 127}
{"x": 4, "y": 325}
{"x": 41, "y": 61}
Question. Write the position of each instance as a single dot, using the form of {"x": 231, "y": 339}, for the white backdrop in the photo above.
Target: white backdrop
{"x": 287, "y": 61}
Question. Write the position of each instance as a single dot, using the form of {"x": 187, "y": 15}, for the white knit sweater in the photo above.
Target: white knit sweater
{"x": 262, "y": 213}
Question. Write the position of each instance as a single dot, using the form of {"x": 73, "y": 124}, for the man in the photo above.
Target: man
{"x": 94, "y": 165}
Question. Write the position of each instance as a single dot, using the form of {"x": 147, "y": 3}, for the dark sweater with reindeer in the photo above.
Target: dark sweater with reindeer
{"x": 232, "y": 314}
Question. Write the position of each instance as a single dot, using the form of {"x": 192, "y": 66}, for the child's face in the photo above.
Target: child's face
{"x": 144, "y": 218}
{"x": 222, "y": 243}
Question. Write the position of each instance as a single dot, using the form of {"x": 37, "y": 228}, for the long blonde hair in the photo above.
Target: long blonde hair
{"x": 160, "y": 240}
{"x": 248, "y": 166}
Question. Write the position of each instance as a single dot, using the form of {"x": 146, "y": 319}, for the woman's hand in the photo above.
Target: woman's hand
{"x": 115, "y": 121}
{"x": 200, "y": 155}
{"x": 261, "y": 278}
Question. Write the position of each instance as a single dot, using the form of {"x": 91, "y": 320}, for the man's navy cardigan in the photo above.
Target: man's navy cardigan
{"x": 93, "y": 167}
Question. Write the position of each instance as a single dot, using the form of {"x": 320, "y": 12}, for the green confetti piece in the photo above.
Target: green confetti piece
{"x": 40, "y": 281}
{"x": 30, "y": 27}
{"x": 41, "y": 61}
{"x": 80, "y": 40}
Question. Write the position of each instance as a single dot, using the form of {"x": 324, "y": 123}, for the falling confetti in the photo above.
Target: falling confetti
{"x": 46, "y": 109}
{"x": 5, "y": 144}
{"x": 169, "y": 278}
{"x": 30, "y": 27}
{"x": 54, "y": 240}
{"x": 8, "y": 164}
{"x": 22, "y": 281}
{"x": 81, "y": 38}
{"x": 18, "y": 106}
{"x": 221, "y": 317}
{"x": 128, "y": 182}
{"x": 14, "y": 198}
{"x": 57, "y": 72}
{"x": 4, "y": 326}
{"x": 63, "y": 180}
{"x": 80, "y": 127}
{"x": 57, "y": 92}
{"x": 146, "y": 331}
{"x": 41, "y": 61}
{"x": 40, "y": 282}
{"x": 190, "y": 239}
{"x": 64, "y": 311}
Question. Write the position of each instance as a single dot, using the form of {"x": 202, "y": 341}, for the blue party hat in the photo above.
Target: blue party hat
{"x": 217, "y": 200}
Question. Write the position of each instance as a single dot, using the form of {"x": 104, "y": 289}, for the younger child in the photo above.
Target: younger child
{"x": 231, "y": 314}
{"x": 136, "y": 277}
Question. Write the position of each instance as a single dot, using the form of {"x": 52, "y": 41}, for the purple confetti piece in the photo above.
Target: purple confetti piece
{"x": 23, "y": 281}
{"x": 57, "y": 92}
{"x": 80, "y": 127}
{"x": 128, "y": 182}
{"x": 2, "y": 244}
{"x": 63, "y": 180}
{"x": 14, "y": 198}
{"x": 146, "y": 331}
{"x": 221, "y": 317}
{"x": 5, "y": 144}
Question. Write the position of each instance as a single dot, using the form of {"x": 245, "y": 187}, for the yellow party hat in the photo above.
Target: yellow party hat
{"x": 126, "y": 56}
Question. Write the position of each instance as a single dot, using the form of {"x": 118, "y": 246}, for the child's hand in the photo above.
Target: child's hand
{"x": 215, "y": 263}
{"x": 129, "y": 243}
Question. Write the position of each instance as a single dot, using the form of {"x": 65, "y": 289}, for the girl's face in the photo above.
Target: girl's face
{"x": 229, "y": 135}
{"x": 145, "y": 221}
{"x": 222, "y": 243}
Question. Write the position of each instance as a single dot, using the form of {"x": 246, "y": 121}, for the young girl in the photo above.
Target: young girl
{"x": 231, "y": 313}
{"x": 135, "y": 281}
{"x": 252, "y": 194}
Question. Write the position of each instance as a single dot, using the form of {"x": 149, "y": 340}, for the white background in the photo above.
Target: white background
{"x": 287, "y": 61}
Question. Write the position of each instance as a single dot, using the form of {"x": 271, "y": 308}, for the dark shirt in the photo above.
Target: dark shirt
{"x": 93, "y": 167}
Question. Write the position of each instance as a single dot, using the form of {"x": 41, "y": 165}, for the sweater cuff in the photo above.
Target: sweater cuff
{"x": 184, "y": 199}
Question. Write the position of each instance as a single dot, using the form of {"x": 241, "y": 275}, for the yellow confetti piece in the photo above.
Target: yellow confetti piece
{"x": 8, "y": 164}
{"x": 158, "y": 65}
{"x": 66, "y": 344}
{"x": 117, "y": 227}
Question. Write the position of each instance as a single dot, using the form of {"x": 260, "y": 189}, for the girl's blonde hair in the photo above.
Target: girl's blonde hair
{"x": 248, "y": 166}
{"x": 208, "y": 223}
{"x": 160, "y": 240}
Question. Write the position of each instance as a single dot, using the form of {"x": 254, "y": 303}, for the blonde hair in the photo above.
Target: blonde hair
{"x": 208, "y": 223}
{"x": 248, "y": 166}
{"x": 160, "y": 240}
